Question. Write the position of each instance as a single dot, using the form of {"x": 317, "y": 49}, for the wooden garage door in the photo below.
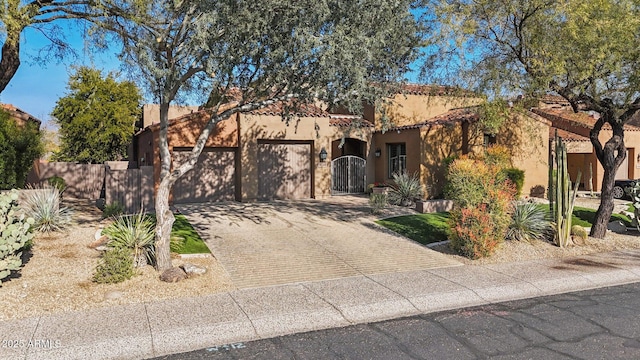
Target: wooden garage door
{"x": 284, "y": 171}
{"x": 212, "y": 179}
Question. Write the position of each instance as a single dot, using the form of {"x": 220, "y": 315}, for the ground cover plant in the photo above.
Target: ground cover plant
{"x": 423, "y": 228}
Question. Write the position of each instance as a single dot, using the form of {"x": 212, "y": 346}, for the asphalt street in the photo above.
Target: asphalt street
{"x": 595, "y": 324}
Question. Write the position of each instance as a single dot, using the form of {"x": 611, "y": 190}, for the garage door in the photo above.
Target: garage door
{"x": 284, "y": 171}
{"x": 212, "y": 179}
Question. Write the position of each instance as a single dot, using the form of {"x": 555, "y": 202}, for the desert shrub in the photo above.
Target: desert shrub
{"x": 15, "y": 234}
{"x": 528, "y": 222}
{"x": 516, "y": 176}
{"x": 377, "y": 202}
{"x": 58, "y": 183}
{"x": 483, "y": 203}
{"x": 115, "y": 266}
{"x": 472, "y": 232}
{"x": 497, "y": 156}
{"x": 135, "y": 233}
{"x": 113, "y": 209}
{"x": 406, "y": 189}
{"x": 43, "y": 205}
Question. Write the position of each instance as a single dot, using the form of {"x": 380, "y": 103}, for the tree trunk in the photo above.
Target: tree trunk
{"x": 601, "y": 220}
{"x": 165, "y": 219}
{"x": 9, "y": 63}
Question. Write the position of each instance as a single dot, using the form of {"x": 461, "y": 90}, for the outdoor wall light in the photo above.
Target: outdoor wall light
{"x": 378, "y": 152}
{"x": 323, "y": 155}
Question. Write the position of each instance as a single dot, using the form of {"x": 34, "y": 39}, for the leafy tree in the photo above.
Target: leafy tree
{"x": 587, "y": 51}
{"x": 249, "y": 54}
{"x": 19, "y": 147}
{"x": 96, "y": 118}
{"x": 17, "y": 15}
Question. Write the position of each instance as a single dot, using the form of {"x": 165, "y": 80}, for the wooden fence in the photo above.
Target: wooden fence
{"x": 133, "y": 188}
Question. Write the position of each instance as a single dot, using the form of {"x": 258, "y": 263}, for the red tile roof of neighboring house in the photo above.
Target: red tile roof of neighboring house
{"x": 579, "y": 119}
{"x": 20, "y": 114}
{"x": 554, "y": 99}
{"x": 567, "y": 135}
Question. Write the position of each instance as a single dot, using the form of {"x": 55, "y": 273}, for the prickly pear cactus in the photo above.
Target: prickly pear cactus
{"x": 15, "y": 231}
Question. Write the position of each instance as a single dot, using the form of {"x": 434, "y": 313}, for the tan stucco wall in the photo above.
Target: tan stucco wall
{"x": 411, "y": 138}
{"x": 151, "y": 113}
{"x": 632, "y": 142}
{"x": 528, "y": 141}
{"x": 413, "y": 109}
{"x": 265, "y": 127}
{"x": 437, "y": 144}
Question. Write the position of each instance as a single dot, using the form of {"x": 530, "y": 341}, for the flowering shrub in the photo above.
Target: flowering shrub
{"x": 482, "y": 206}
{"x": 472, "y": 232}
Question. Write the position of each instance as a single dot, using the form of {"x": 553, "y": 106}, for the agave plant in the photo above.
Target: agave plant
{"x": 406, "y": 189}
{"x": 528, "y": 222}
{"x": 134, "y": 232}
{"x": 43, "y": 205}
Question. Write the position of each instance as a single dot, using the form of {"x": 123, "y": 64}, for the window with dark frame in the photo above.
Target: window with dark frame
{"x": 397, "y": 159}
{"x": 489, "y": 140}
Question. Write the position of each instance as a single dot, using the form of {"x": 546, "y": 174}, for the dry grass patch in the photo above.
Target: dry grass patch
{"x": 57, "y": 276}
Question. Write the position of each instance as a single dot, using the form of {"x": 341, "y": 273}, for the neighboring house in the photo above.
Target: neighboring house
{"x": 434, "y": 123}
{"x": 257, "y": 156}
{"x": 20, "y": 116}
{"x": 574, "y": 128}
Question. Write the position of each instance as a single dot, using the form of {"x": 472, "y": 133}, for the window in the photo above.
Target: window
{"x": 488, "y": 140}
{"x": 397, "y": 159}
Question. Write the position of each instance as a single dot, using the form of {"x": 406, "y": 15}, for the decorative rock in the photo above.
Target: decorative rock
{"x": 617, "y": 226}
{"x": 102, "y": 248}
{"x": 111, "y": 295}
{"x": 173, "y": 275}
{"x": 193, "y": 270}
{"x": 98, "y": 234}
{"x": 102, "y": 241}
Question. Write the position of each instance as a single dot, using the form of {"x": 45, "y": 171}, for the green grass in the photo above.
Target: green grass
{"x": 192, "y": 243}
{"x": 430, "y": 228}
{"x": 423, "y": 228}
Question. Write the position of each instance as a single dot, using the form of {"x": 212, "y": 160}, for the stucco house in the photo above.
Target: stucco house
{"x": 20, "y": 116}
{"x": 574, "y": 129}
{"x": 258, "y": 156}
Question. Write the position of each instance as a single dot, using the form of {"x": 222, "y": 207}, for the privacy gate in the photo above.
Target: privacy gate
{"x": 348, "y": 175}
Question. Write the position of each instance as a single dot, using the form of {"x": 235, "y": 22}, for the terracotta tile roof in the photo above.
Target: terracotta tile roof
{"x": 420, "y": 89}
{"x": 579, "y": 119}
{"x": 348, "y": 121}
{"x": 303, "y": 110}
{"x": 554, "y": 99}
{"x": 466, "y": 114}
{"x": 567, "y": 135}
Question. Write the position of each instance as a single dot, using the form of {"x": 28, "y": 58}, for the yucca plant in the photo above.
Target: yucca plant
{"x": 406, "y": 189}
{"x": 43, "y": 205}
{"x": 136, "y": 233}
{"x": 528, "y": 222}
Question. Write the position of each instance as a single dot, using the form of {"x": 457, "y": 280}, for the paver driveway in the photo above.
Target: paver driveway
{"x": 280, "y": 242}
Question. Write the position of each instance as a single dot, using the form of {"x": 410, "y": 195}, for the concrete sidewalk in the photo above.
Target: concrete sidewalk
{"x": 152, "y": 329}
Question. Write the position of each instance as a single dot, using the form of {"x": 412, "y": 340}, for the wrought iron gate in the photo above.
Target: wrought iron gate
{"x": 348, "y": 175}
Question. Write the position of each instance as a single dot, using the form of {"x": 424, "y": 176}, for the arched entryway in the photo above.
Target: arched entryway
{"x": 348, "y": 166}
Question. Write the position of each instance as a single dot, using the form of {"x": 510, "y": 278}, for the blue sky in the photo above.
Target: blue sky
{"x": 36, "y": 86}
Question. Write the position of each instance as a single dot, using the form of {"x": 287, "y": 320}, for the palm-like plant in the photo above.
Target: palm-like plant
{"x": 134, "y": 232}
{"x": 43, "y": 205}
{"x": 406, "y": 189}
{"x": 528, "y": 222}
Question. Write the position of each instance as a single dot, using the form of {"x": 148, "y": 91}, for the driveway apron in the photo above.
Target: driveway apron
{"x": 261, "y": 244}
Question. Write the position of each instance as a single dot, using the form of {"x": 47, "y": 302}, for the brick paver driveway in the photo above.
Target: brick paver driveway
{"x": 281, "y": 242}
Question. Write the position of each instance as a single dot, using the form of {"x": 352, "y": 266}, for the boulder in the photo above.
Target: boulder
{"x": 173, "y": 275}
{"x": 193, "y": 270}
{"x": 101, "y": 241}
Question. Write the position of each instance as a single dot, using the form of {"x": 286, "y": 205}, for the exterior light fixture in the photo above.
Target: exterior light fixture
{"x": 323, "y": 155}
{"x": 378, "y": 152}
